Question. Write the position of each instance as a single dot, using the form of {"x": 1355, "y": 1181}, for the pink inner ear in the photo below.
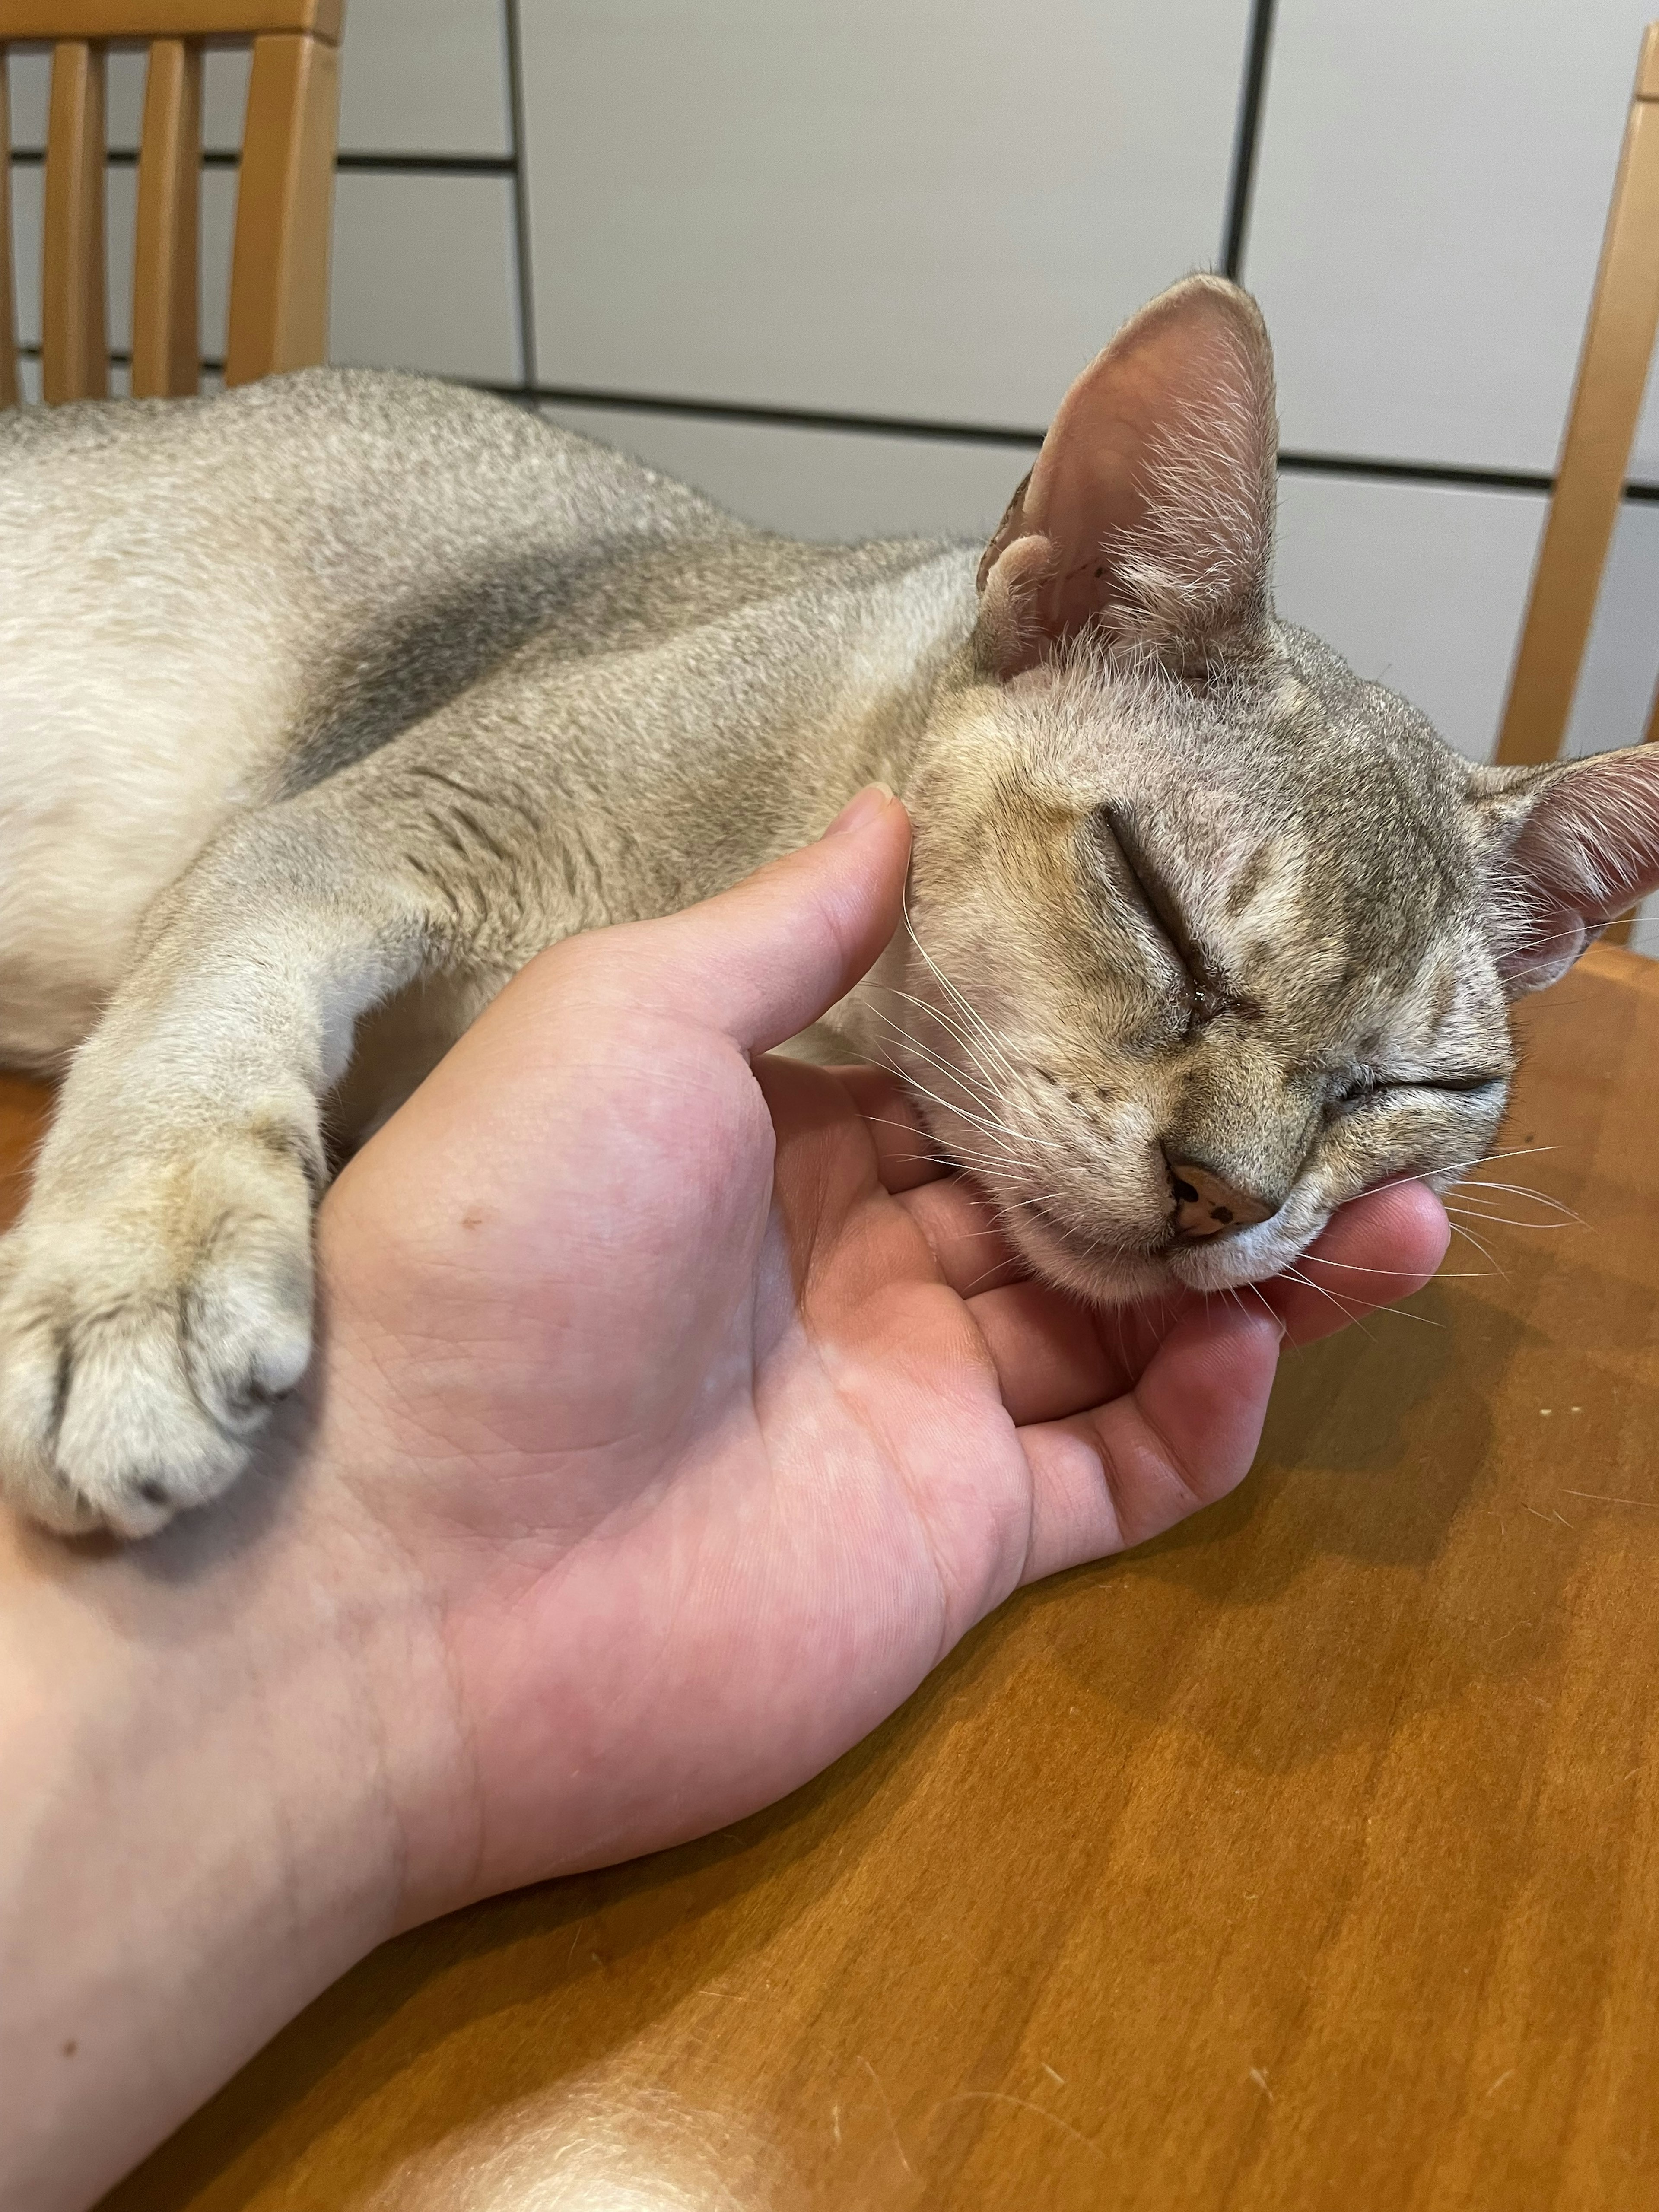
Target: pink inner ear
{"x": 1154, "y": 485}
{"x": 1087, "y": 491}
{"x": 1587, "y": 851}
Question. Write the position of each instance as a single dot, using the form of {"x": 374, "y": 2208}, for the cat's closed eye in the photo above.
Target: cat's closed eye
{"x": 1352, "y": 1091}
{"x": 1205, "y": 995}
{"x": 1367, "y": 1085}
{"x": 1206, "y": 990}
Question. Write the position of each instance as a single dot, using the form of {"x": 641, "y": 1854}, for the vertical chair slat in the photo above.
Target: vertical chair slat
{"x": 74, "y": 357}
{"x": 279, "y": 269}
{"x": 1607, "y": 402}
{"x": 9, "y": 394}
{"x": 165, "y": 349}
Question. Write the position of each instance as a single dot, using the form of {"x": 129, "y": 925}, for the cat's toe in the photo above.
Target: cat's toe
{"x": 136, "y": 1368}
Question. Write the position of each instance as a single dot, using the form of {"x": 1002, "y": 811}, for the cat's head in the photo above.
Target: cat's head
{"x": 1210, "y": 936}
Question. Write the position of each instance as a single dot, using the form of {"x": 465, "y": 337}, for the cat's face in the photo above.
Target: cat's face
{"x": 1209, "y": 937}
{"x": 1236, "y": 931}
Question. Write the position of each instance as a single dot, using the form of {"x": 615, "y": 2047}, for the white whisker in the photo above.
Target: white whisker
{"x": 1469, "y": 1238}
{"x": 1508, "y": 1220}
{"x": 958, "y": 997}
{"x": 964, "y": 1037}
{"x": 1352, "y": 1267}
{"x": 985, "y": 1101}
{"x": 1520, "y": 1190}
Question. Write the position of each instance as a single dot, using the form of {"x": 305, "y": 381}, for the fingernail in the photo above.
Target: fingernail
{"x": 859, "y": 813}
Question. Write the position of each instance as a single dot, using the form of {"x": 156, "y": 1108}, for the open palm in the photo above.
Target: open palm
{"x": 700, "y": 1410}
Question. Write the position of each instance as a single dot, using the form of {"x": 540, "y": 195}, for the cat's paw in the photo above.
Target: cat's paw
{"x": 147, "y": 1326}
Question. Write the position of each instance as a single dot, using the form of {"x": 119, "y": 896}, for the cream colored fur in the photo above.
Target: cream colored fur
{"x": 325, "y": 704}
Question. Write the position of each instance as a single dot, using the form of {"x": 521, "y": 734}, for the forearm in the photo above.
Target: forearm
{"x": 201, "y": 1824}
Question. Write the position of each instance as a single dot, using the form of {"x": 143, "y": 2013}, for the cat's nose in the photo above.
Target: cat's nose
{"x": 1206, "y": 1205}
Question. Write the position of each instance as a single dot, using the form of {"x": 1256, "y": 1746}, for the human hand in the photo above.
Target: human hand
{"x": 706, "y": 1412}
{"x": 675, "y": 1413}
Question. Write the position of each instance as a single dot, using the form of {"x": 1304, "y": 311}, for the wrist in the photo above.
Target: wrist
{"x": 205, "y": 1814}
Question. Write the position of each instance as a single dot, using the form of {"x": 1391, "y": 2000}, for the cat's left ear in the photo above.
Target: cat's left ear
{"x": 1572, "y": 844}
{"x": 1148, "y": 517}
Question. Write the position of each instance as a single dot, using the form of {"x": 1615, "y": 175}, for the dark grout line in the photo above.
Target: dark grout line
{"x": 513, "y": 31}
{"x": 986, "y": 433}
{"x": 407, "y": 165}
{"x": 118, "y": 357}
{"x": 1418, "y": 472}
{"x": 1362, "y": 467}
{"x": 793, "y": 418}
{"x": 432, "y": 164}
{"x": 1246, "y": 140}
{"x": 1537, "y": 481}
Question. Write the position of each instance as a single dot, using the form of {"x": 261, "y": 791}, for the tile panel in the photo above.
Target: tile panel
{"x": 1432, "y": 190}
{"x": 939, "y": 211}
{"x": 831, "y": 485}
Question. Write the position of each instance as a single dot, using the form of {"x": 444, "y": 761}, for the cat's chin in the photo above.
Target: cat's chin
{"x": 1252, "y": 1256}
{"x": 1121, "y": 1278}
{"x": 1105, "y": 1279}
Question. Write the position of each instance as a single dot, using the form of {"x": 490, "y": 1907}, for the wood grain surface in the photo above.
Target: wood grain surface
{"x": 1307, "y": 1858}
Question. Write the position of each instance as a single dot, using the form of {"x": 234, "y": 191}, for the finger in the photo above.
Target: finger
{"x": 1055, "y": 1355}
{"x": 905, "y": 1153}
{"x": 969, "y": 1246}
{"x": 1375, "y": 1252}
{"x": 1183, "y": 1438}
{"x": 765, "y": 960}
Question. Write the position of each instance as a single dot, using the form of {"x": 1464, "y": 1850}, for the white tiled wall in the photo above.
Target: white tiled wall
{"x": 931, "y": 214}
{"x": 1417, "y": 585}
{"x": 827, "y": 484}
{"x": 940, "y": 208}
{"x": 402, "y": 242}
{"x": 425, "y": 77}
{"x": 1432, "y": 186}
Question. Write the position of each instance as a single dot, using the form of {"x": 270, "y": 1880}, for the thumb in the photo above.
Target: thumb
{"x": 766, "y": 959}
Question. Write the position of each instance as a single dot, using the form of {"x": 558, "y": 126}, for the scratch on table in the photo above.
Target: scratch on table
{"x": 1499, "y": 2082}
{"x": 1256, "y": 2075}
{"x": 899, "y": 2140}
{"x": 1024, "y": 2105}
{"x": 1601, "y": 1497}
{"x": 1050, "y": 2072}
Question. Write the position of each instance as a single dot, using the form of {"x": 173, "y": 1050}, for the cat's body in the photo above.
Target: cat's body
{"x": 327, "y": 704}
{"x": 294, "y": 578}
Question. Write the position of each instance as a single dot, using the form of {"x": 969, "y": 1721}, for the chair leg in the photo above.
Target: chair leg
{"x": 8, "y": 391}
{"x": 165, "y": 348}
{"x": 1607, "y": 402}
{"x": 279, "y": 271}
{"x": 74, "y": 353}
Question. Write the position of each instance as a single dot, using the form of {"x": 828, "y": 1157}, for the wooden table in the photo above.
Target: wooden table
{"x": 1307, "y": 1858}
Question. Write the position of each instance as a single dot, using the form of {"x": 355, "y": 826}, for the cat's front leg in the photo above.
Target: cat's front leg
{"x": 155, "y": 1296}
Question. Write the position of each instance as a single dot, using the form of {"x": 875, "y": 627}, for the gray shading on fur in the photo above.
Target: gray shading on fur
{"x": 327, "y": 702}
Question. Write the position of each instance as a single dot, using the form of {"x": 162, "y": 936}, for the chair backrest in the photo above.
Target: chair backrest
{"x": 1606, "y": 402}
{"x": 279, "y": 263}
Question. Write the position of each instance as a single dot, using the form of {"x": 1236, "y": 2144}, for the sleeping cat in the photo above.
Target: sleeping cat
{"x": 326, "y": 704}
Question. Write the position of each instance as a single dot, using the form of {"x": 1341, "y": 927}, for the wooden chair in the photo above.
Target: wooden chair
{"x": 1606, "y": 402}
{"x": 279, "y": 268}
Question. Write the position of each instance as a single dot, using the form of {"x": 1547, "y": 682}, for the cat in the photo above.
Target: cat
{"x": 327, "y": 702}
